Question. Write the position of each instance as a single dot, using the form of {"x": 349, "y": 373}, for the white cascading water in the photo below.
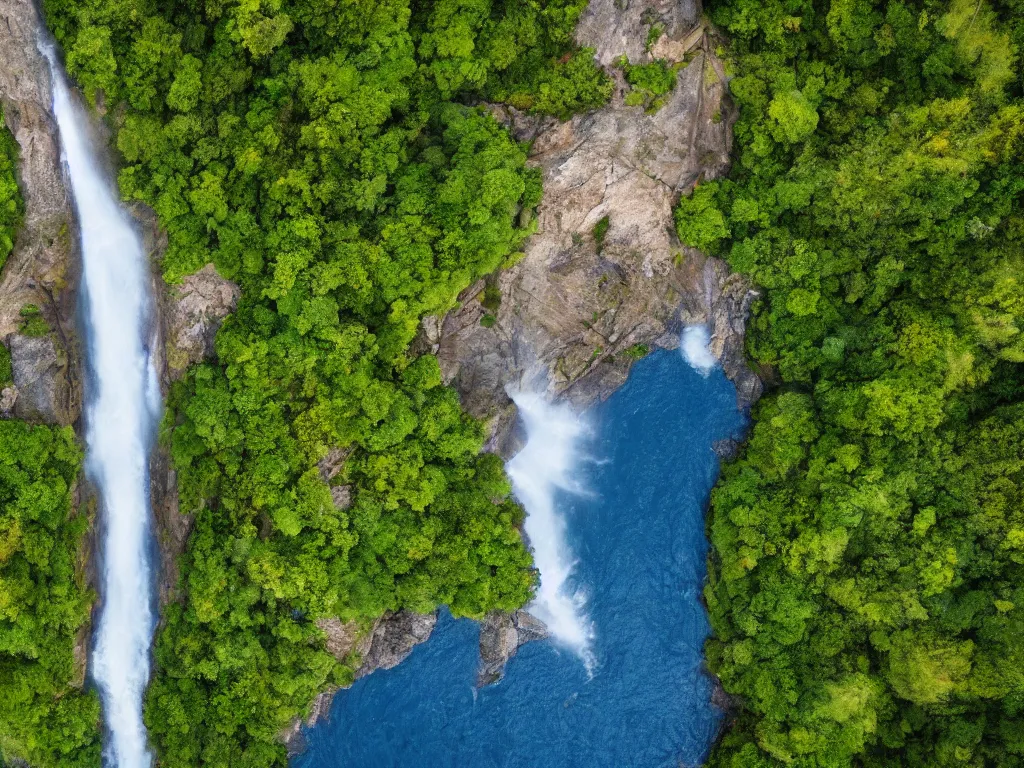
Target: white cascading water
{"x": 546, "y": 465}
{"x": 121, "y": 414}
{"x": 695, "y": 345}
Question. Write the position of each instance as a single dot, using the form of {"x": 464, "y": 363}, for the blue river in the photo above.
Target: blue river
{"x": 638, "y": 537}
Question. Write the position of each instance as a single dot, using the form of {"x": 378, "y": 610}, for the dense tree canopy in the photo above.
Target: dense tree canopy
{"x": 325, "y": 156}
{"x": 44, "y": 716}
{"x": 867, "y": 582}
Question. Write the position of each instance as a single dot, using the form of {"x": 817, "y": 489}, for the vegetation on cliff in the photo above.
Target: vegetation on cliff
{"x": 867, "y": 581}
{"x": 45, "y": 717}
{"x": 11, "y": 205}
{"x": 322, "y": 155}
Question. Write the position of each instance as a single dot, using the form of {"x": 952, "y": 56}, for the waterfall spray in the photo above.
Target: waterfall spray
{"x": 695, "y": 345}
{"x": 545, "y": 466}
{"x": 121, "y": 413}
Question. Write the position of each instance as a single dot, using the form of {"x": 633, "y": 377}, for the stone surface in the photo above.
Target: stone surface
{"x": 43, "y": 269}
{"x": 393, "y": 638}
{"x": 501, "y": 635}
{"x": 617, "y": 27}
{"x": 726, "y": 449}
{"x": 8, "y": 397}
{"x": 193, "y": 311}
{"x": 341, "y": 495}
{"x": 45, "y": 392}
{"x": 573, "y": 310}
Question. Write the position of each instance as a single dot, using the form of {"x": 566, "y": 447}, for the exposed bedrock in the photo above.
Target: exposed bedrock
{"x": 578, "y": 309}
{"x": 43, "y": 269}
{"x": 501, "y": 636}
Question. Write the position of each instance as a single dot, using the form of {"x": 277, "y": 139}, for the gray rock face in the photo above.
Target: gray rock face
{"x": 576, "y": 312}
{"x": 8, "y": 397}
{"x": 393, "y": 638}
{"x": 501, "y": 635}
{"x": 43, "y": 268}
{"x": 615, "y": 27}
{"x": 44, "y": 391}
{"x": 193, "y": 313}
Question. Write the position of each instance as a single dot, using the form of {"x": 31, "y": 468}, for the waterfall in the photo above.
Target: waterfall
{"x": 695, "y": 345}
{"x": 121, "y": 412}
{"x": 545, "y": 466}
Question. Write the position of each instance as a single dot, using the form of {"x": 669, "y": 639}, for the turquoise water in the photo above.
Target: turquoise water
{"x": 639, "y": 539}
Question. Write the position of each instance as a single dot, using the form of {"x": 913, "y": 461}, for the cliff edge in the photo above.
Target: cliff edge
{"x": 605, "y": 277}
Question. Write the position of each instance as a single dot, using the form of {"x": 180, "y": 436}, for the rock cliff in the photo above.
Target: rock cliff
{"x": 583, "y": 304}
{"x": 605, "y": 278}
{"x": 43, "y": 269}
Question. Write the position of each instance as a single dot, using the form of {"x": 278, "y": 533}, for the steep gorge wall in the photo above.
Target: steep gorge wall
{"x": 43, "y": 269}
{"x": 576, "y": 309}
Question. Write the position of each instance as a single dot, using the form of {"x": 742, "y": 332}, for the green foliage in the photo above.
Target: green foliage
{"x": 637, "y": 351}
{"x": 6, "y": 371}
{"x": 322, "y": 156}
{"x": 565, "y": 88}
{"x": 700, "y": 223}
{"x": 600, "y": 230}
{"x": 45, "y": 717}
{"x": 648, "y": 83}
{"x": 11, "y": 206}
{"x": 491, "y": 298}
{"x": 865, "y": 585}
{"x": 32, "y": 322}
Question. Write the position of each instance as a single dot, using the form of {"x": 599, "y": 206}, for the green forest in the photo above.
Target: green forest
{"x": 867, "y": 579}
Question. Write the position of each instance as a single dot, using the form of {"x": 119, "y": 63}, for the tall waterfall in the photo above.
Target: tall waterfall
{"x": 545, "y": 466}
{"x": 122, "y": 409}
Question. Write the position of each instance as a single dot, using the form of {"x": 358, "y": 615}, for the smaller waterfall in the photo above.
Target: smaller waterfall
{"x": 545, "y": 466}
{"x": 695, "y": 346}
{"x": 121, "y": 414}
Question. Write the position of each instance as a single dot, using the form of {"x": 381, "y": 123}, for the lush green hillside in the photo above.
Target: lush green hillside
{"x": 867, "y": 581}
{"x": 320, "y": 154}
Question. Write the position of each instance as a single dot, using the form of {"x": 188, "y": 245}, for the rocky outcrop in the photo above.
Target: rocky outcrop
{"x": 387, "y": 643}
{"x": 43, "y": 268}
{"x": 614, "y": 28}
{"x": 194, "y": 311}
{"x": 393, "y": 638}
{"x": 581, "y": 306}
{"x": 501, "y": 635}
{"x": 42, "y": 387}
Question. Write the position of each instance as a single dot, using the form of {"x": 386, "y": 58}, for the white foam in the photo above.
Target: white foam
{"x": 695, "y": 346}
{"x": 547, "y": 464}
{"x": 121, "y": 415}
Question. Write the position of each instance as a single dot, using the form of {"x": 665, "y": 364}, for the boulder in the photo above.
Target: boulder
{"x": 393, "y": 638}
{"x": 501, "y": 635}
{"x": 192, "y": 314}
